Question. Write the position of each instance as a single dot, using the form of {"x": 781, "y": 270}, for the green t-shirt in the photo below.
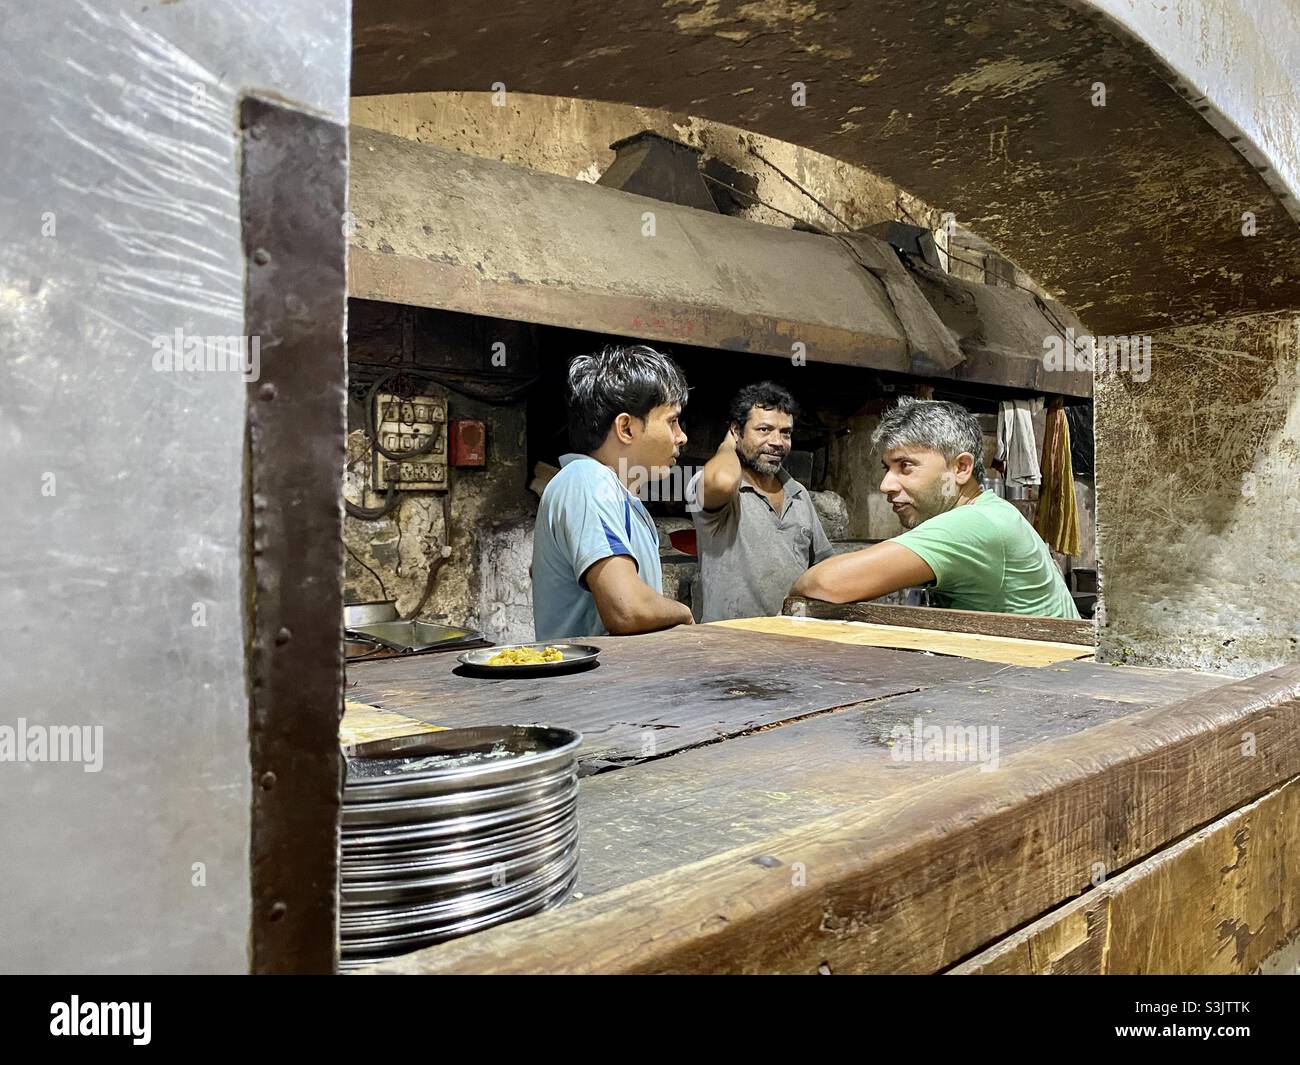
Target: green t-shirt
{"x": 985, "y": 556}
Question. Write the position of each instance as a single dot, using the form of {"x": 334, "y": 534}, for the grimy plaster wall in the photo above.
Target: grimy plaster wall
{"x": 1199, "y": 505}
{"x": 123, "y": 487}
{"x": 1198, "y": 469}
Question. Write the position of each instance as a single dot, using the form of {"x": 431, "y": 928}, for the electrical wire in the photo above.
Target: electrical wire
{"x": 373, "y": 433}
{"x": 357, "y": 559}
{"x": 763, "y": 203}
{"x": 446, "y": 380}
{"x": 762, "y": 158}
{"x": 1046, "y": 311}
{"x": 391, "y": 500}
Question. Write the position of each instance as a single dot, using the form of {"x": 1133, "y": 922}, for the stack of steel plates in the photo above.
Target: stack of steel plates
{"x": 451, "y": 832}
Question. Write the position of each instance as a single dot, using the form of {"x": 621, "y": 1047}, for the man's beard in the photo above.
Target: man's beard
{"x": 767, "y": 465}
{"x": 927, "y": 504}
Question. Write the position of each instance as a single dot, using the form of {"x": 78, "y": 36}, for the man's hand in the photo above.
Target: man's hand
{"x": 721, "y": 479}
{"x": 863, "y": 575}
{"x": 627, "y": 604}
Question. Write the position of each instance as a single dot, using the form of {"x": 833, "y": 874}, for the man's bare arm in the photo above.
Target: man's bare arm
{"x": 862, "y": 575}
{"x": 627, "y": 604}
{"x": 721, "y": 479}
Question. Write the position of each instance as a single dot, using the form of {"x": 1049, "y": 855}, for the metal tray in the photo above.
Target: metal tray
{"x": 402, "y": 868}
{"x": 408, "y": 636}
{"x": 412, "y": 857}
{"x": 438, "y": 763}
{"x": 429, "y": 808}
{"x": 357, "y": 953}
{"x": 576, "y": 656}
{"x": 381, "y": 921}
{"x": 390, "y": 838}
{"x": 363, "y": 895}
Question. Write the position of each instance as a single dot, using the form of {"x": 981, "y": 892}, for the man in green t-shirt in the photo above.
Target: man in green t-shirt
{"x": 974, "y": 548}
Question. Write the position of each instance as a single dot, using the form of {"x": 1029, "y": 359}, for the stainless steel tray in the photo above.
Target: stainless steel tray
{"x": 458, "y": 804}
{"x": 384, "y": 920}
{"x": 364, "y": 895}
{"x": 407, "y": 636}
{"x": 396, "y": 869}
{"x": 576, "y": 656}
{"x": 438, "y": 763}
{"x": 429, "y": 855}
{"x": 376, "y": 839}
{"x": 359, "y": 953}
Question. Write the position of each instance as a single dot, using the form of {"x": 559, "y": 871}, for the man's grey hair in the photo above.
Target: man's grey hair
{"x": 935, "y": 425}
{"x": 633, "y": 379}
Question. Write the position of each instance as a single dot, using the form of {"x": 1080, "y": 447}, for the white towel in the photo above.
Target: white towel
{"x": 1016, "y": 444}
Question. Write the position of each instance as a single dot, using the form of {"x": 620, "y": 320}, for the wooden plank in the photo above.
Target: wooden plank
{"x": 1139, "y": 685}
{"x": 928, "y": 876}
{"x": 673, "y": 811}
{"x": 964, "y": 645}
{"x": 361, "y": 723}
{"x": 1013, "y": 626}
{"x": 655, "y": 694}
{"x": 1218, "y": 902}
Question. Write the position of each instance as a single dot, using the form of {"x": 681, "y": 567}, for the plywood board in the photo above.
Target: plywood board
{"x": 966, "y": 645}
{"x": 362, "y": 722}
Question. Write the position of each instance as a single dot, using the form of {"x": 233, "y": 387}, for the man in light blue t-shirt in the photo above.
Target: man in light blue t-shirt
{"x": 596, "y": 550}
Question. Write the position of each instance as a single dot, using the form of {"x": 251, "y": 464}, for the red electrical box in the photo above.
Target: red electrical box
{"x": 467, "y": 442}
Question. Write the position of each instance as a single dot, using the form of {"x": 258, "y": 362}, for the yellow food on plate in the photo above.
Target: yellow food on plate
{"x": 525, "y": 656}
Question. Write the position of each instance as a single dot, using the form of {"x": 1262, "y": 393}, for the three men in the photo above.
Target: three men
{"x": 596, "y": 563}
{"x": 974, "y": 546}
{"x": 596, "y": 549}
{"x": 756, "y": 528}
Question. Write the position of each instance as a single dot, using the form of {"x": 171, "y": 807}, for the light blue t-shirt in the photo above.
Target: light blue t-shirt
{"x": 585, "y": 515}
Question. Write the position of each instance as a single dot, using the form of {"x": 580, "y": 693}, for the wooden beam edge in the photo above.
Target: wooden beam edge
{"x": 867, "y": 891}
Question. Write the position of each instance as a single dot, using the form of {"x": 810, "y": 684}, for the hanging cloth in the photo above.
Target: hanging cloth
{"x": 1017, "y": 448}
{"x": 1057, "y": 520}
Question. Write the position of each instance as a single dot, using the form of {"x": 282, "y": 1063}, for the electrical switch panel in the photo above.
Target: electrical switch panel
{"x": 403, "y": 424}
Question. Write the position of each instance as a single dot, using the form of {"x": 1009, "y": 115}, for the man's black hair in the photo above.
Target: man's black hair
{"x": 765, "y": 394}
{"x": 633, "y": 379}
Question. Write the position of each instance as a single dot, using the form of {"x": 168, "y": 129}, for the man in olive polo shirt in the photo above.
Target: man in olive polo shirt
{"x": 756, "y": 529}
{"x": 972, "y": 547}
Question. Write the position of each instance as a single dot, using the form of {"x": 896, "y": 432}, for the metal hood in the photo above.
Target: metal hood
{"x": 438, "y": 228}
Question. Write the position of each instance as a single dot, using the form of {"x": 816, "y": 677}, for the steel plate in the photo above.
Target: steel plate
{"x": 399, "y": 837}
{"x": 576, "y": 656}
{"x": 457, "y": 804}
{"x": 455, "y": 759}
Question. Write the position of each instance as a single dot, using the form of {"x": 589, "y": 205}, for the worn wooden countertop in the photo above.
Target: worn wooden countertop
{"x": 716, "y": 753}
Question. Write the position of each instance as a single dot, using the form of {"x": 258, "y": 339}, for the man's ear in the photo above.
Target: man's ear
{"x": 623, "y": 428}
{"x": 965, "y": 467}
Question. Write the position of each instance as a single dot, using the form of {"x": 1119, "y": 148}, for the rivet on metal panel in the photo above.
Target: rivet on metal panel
{"x": 268, "y": 781}
{"x": 267, "y": 391}
{"x": 283, "y": 636}
{"x": 261, "y": 256}
{"x": 278, "y": 910}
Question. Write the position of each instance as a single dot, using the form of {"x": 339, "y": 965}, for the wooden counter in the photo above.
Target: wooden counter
{"x": 745, "y": 808}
